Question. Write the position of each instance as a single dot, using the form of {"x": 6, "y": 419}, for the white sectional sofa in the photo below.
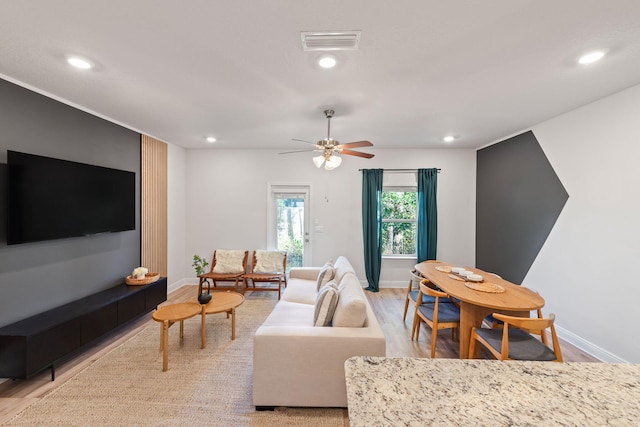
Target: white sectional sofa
{"x": 298, "y": 364}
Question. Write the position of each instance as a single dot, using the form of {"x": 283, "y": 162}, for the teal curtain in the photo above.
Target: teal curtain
{"x": 372, "y": 225}
{"x": 427, "y": 214}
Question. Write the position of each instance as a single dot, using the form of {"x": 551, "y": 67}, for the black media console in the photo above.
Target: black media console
{"x": 36, "y": 343}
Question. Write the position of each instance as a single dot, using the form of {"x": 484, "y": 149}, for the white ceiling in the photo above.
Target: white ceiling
{"x": 182, "y": 70}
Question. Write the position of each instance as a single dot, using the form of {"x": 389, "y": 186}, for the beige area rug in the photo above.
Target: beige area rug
{"x": 210, "y": 387}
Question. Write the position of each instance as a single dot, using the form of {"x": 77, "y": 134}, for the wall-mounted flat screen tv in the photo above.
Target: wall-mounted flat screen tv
{"x": 53, "y": 199}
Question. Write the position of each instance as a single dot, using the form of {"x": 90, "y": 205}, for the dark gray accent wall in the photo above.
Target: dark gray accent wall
{"x": 518, "y": 200}
{"x": 37, "y": 276}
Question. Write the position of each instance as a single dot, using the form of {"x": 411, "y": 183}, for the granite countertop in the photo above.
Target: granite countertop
{"x": 451, "y": 392}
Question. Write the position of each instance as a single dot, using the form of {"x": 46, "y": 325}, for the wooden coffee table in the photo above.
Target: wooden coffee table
{"x": 170, "y": 314}
{"x": 221, "y": 302}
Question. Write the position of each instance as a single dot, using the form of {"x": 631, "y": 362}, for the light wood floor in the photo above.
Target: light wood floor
{"x": 388, "y": 305}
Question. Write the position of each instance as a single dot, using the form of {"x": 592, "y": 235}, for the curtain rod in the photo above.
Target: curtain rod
{"x": 400, "y": 170}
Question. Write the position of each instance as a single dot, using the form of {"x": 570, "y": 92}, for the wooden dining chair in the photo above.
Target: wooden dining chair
{"x": 412, "y": 293}
{"x": 226, "y": 266}
{"x": 440, "y": 314}
{"x": 494, "y": 323}
{"x": 267, "y": 267}
{"x": 516, "y": 340}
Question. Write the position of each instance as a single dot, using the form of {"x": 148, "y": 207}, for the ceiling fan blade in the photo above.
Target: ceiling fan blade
{"x": 297, "y": 151}
{"x": 356, "y": 144}
{"x": 302, "y": 140}
{"x": 355, "y": 153}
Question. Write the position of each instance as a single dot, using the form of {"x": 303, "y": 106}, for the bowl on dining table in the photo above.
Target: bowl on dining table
{"x": 475, "y": 278}
{"x": 457, "y": 270}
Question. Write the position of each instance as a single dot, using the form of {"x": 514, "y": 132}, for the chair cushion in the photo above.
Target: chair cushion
{"x": 446, "y": 312}
{"x": 522, "y": 346}
{"x": 269, "y": 262}
{"x": 325, "y": 306}
{"x": 426, "y": 299}
{"x": 326, "y": 274}
{"x": 229, "y": 261}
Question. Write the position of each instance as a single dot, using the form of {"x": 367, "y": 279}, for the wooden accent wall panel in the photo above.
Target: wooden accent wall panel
{"x": 154, "y": 205}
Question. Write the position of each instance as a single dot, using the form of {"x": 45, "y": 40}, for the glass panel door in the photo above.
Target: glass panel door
{"x": 288, "y": 223}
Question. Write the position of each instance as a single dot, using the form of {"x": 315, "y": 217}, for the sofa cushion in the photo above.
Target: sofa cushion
{"x": 342, "y": 267}
{"x": 326, "y": 274}
{"x": 229, "y": 261}
{"x": 351, "y": 310}
{"x": 290, "y": 314}
{"x": 300, "y": 291}
{"x": 325, "y": 306}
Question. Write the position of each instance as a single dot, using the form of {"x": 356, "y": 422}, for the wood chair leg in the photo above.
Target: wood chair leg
{"x": 416, "y": 326}
{"x": 434, "y": 338}
{"x": 472, "y": 344}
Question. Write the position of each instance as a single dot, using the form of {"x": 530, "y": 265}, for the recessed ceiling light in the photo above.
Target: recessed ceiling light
{"x": 81, "y": 63}
{"x": 448, "y": 138}
{"x": 211, "y": 139}
{"x": 327, "y": 61}
{"x": 591, "y": 57}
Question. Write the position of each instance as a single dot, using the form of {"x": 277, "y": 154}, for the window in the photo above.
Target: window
{"x": 399, "y": 221}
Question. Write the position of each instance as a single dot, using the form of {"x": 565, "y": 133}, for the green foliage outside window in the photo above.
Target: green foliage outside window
{"x": 290, "y": 230}
{"x": 399, "y": 212}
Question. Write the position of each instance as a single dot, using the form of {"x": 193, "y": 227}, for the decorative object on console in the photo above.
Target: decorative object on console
{"x": 144, "y": 280}
{"x": 141, "y": 276}
{"x": 139, "y": 273}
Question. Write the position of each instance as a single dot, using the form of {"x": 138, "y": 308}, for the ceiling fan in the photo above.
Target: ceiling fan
{"x": 329, "y": 148}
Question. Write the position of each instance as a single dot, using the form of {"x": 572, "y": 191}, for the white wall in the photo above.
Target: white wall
{"x": 177, "y": 216}
{"x": 586, "y": 270}
{"x": 226, "y": 201}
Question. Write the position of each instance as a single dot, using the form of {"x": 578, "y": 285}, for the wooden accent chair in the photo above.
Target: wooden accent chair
{"x": 515, "y": 342}
{"x": 267, "y": 267}
{"x": 440, "y": 314}
{"x": 226, "y": 266}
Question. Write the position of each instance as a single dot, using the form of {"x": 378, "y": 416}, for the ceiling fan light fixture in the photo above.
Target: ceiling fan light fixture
{"x": 332, "y": 162}
{"x": 318, "y": 161}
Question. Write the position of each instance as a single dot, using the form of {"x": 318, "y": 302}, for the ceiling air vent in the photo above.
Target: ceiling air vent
{"x": 334, "y": 40}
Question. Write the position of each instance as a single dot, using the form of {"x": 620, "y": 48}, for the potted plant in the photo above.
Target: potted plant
{"x": 200, "y": 264}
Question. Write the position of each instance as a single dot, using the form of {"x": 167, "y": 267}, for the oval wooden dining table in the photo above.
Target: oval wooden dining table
{"x": 475, "y": 305}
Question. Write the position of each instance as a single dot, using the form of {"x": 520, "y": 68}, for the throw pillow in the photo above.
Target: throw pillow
{"x": 229, "y": 262}
{"x": 326, "y": 274}
{"x": 326, "y": 302}
{"x": 269, "y": 262}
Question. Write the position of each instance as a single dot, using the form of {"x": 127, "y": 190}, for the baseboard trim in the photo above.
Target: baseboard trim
{"x": 587, "y": 346}
{"x": 182, "y": 282}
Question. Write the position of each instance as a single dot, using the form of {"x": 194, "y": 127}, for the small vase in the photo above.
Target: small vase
{"x": 205, "y": 298}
